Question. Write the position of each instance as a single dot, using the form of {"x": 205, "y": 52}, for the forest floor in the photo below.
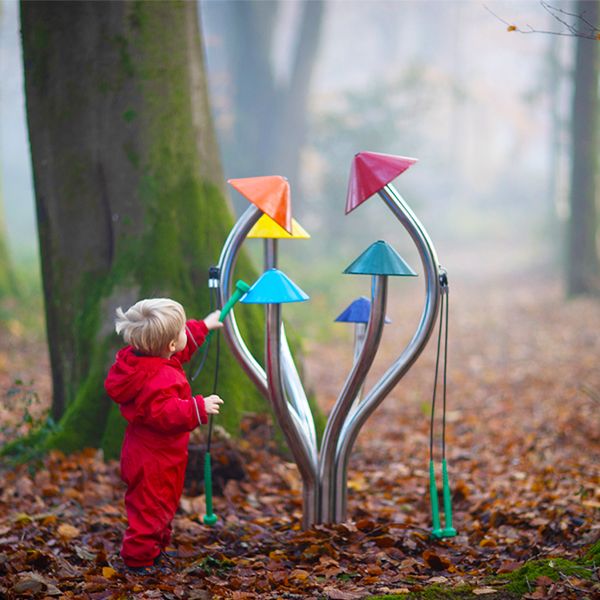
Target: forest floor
{"x": 523, "y": 438}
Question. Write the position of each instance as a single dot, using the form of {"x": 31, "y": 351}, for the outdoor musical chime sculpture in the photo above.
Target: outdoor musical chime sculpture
{"x": 324, "y": 471}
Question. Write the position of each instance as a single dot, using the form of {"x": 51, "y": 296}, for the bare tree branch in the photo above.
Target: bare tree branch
{"x": 582, "y": 27}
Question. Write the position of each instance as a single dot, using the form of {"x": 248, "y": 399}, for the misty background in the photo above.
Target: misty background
{"x": 485, "y": 111}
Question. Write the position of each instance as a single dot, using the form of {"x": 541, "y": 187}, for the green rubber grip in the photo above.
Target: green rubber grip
{"x": 448, "y": 530}
{"x": 241, "y": 289}
{"x": 209, "y": 518}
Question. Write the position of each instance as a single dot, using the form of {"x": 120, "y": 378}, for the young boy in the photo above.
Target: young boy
{"x": 150, "y": 386}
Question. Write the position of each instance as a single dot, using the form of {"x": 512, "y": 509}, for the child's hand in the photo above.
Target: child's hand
{"x": 211, "y": 404}
{"x": 212, "y": 320}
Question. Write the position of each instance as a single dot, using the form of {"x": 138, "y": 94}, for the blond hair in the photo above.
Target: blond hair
{"x": 150, "y": 325}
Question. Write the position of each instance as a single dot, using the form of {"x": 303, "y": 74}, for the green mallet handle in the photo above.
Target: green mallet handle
{"x": 448, "y": 531}
{"x": 241, "y": 289}
{"x": 209, "y": 518}
{"x": 435, "y": 509}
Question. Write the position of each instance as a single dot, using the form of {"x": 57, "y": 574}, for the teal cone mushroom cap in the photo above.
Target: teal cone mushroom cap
{"x": 274, "y": 287}
{"x": 380, "y": 259}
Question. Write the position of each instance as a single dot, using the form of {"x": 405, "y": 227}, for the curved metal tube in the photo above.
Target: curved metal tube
{"x": 227, "y": 261}
{"x": 351, "y": 389}
{"x": 297, "y": 442}
{"x": 292, "y": 384}
{"x": 296, "y": 394}
{"x": 412, "y": 351}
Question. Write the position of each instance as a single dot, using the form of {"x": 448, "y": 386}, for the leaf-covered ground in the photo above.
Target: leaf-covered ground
{"x": 523, "y": 453}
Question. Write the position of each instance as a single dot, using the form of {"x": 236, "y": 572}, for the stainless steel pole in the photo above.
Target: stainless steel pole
{"x": 410, "y": 354}
{"x": 226, "y": 265}
{"x": 305, "y": 460}
{"x": 343, "y": 404}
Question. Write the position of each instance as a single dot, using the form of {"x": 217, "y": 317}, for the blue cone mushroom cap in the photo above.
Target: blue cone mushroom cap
{"x": 380, "y": 259}
{"x": 274, "y": 287}
{"x": 357, "y": 312}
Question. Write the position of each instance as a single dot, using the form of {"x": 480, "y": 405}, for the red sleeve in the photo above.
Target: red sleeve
{"x": 201, "y": 409}
{"x": 196, "y": 334}
{"x": 167, "y": 413}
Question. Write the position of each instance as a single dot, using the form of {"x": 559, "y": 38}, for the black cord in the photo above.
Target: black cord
{"x": 444, "y": 382}
{"x": 215, "y": 383}
{"x": 435, "y": 380}
{"x": 197, "y": 372}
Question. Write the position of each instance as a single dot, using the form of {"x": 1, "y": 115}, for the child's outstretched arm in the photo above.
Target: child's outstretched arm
{"x": 196, "y": 334}
{"x": 212, "y": 320}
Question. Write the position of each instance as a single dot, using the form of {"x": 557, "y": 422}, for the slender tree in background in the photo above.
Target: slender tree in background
{"x": 269, "y": 115}
{"x": 583, "y": 267}
{"x": 7, "y": 279}
{"x": 128, "y": 191}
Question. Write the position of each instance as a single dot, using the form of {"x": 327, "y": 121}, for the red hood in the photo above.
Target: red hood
{"x": 129, "y": 373}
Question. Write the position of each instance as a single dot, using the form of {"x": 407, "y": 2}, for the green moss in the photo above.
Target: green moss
{"x": 523, "y": 579}
{"x": 127, "y": 65}
{"x": 592, "y": 556}
{"x": 84, "y": 421}
{"x": 132, "y": 155}
{"x": 114, "y": 431}
{"x": 129, "y": 115}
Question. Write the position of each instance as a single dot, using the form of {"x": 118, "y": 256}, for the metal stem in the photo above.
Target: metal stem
{"x": 305, "y": 460}
{"x": 292, "y": 385}
{"x": 226, "y": 265}
{"x": 351, "y": 388}
{"x": 410, "y": 354}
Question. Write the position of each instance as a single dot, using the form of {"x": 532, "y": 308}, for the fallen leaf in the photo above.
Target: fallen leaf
{"x": 435, "y": 561}
{"x": 337, "y": 594}
{"x": 67, "y": 532}
{"x": 108, "y": 572}
{"x": 484, "y": 590}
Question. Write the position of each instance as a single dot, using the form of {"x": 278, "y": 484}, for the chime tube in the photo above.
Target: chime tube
{"x": 352, "y": 386}
{"x": 412, "y": 351}
{"x": 297, "y": 443}
{"x": 226, "y": 266}
{"x": 292, "y": 384}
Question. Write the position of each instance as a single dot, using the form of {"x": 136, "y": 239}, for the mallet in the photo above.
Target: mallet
{"x": 241, "y": 288}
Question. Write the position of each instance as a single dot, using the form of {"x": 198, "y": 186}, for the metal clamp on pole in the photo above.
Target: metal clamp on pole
{"x": 443, "y": 278}
{"x": 214, "y": 275}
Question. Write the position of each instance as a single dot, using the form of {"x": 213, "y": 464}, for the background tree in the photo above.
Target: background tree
{"x": 583, "y": 266}
{"x": 268, "y": 114}
{"x": 128, "y": 191}
{"x": 7, "y": 279}
{"x": 582, "y": 23}
{"x": 7, "y": 282}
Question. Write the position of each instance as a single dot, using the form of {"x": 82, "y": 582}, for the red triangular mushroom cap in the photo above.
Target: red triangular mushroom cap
{"x": 370, "y": 172}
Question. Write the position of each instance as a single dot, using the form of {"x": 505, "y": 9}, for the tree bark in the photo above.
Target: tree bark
{"x": 128, "y": 192}
{"x": 583, "y": 267}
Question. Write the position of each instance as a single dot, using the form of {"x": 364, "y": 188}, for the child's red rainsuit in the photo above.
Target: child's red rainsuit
{"x": 156, "y": 399}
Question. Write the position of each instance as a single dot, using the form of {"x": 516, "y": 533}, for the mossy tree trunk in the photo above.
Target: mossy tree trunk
{"x": 583, "y": 265}
{"x": 128, "y": 190}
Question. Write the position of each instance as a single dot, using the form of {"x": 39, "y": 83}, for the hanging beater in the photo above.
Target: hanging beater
{"x": 241, "y": 288}
{"x": 448, "y": 531}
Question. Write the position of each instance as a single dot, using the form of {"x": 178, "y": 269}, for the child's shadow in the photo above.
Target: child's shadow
{"x": 227, "y": 463}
